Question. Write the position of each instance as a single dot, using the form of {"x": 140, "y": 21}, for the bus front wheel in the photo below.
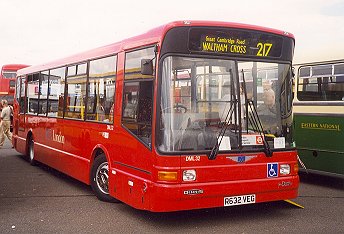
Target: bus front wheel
{"x": 100, "y": 179}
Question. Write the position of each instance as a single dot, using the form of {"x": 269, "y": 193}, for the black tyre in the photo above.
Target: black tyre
{"x": 100, "y": 179}
{"x": 31, "y": 153}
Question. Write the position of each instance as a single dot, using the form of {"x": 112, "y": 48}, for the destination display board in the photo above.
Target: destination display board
{"x": 235, "y": 42}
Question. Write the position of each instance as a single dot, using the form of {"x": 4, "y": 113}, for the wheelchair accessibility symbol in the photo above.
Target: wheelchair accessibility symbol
{"x": 272, "y": 169}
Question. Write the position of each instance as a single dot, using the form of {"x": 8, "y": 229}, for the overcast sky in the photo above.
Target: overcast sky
{"x": 38, "y": 31}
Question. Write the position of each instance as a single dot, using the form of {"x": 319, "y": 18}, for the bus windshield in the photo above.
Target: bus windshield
{"x": 9, "y": 74}
{"x": 199, "y": 96}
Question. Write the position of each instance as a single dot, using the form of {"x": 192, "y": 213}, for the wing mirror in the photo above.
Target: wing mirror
{"x": 147, "y": 67}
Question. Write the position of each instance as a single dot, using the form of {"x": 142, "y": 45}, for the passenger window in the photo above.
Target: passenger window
{"x": 71, "y": 70}
{"x": 137, "y": 109}
{"x": 18, "y": 88}
{"x": 43, "y": 93}
{"x": 81, "y": 68}
{"x": 138, "y": 95}
{"x": 133, "y": 63}
{"x": 101, "y": 89}
{"x": 21, "y": 94}
{"x": 321, "y": 83}
{"x": 33, "y": 93}
{"x": 76, "y": 94}
{"x": 56, "y": 92}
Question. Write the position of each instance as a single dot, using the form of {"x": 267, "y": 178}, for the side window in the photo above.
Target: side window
{"x": 76, "y": 91}
{"x": 321, "y": 83}
{"x": 18, "y": 84}
{"x": 138, "y": 95}
{"x": 56, "y": 92}
{"x": 33, "y": 93}
{"x": 43, "y": 93}
{"x": 20, "y": 93}
{"x": 101, "y": 89}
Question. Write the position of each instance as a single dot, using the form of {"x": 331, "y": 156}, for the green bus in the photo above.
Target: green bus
{"x": 319, "y": 116}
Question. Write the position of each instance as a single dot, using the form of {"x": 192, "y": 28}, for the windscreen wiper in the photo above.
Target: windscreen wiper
{"x": 224, "y": 125}
{"x": 253, "y": 118}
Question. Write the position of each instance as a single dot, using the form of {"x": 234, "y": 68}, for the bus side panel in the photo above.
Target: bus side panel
{"x": 132, "y": 162}
{"x": 130, "y": 175}
{"x": 130, "y": 187}
{"x": 19, "y": 144}
{"x": 99, "y": 137}
{"x": 75, "y": 158}
{"x": 319, "y": 140}
{"x": 42, "y": 141}
{"x": 19, "y": 139}
{"x": 19, "y": 133}
{"x": 49, "y": 129}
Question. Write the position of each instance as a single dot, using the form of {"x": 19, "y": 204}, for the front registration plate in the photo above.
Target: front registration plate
{"x": 240, "y": 200}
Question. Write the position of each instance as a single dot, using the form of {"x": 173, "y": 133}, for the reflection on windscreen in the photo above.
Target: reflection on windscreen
{"x": 200, "y": 97}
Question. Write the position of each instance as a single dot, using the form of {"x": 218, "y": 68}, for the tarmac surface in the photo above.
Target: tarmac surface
{"x": 40, "y": 199}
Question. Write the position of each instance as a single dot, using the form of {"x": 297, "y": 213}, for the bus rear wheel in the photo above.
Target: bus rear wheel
{"x": 100, "y": 179}
{"x": 31, "y": 153}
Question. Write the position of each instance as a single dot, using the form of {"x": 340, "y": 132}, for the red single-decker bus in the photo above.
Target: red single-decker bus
{"x": 177, "y": 118}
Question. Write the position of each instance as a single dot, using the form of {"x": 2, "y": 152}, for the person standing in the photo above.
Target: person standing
{"x": 5, "y": 123}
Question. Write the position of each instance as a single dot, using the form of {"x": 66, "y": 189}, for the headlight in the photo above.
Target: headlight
{"x": 284, "y": 169}
{"x": 189, "y": 175}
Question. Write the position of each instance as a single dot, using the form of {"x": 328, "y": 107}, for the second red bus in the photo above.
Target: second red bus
{"x": 7, "y": 81}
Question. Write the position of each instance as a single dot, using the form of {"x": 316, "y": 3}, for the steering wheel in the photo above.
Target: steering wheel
{"x": 180, "y": 108}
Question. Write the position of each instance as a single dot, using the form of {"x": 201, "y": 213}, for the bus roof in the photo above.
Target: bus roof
{"x": 150, "y": 37}
{"x": 320, "y": 62}
{"x": 13, "y": 67}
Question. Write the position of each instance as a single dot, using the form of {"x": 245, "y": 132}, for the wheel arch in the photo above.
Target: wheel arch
{"x": 96, "y": 152}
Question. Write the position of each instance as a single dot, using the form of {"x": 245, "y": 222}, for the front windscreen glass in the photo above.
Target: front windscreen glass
{"x": 247, "y": 102}
{"x": 9, "y": 74}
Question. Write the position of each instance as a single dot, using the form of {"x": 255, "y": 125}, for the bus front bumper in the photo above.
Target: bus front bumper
{"x": 166, "y": 198}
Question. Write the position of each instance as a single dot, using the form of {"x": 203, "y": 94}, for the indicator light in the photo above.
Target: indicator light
{"x": 167, "y": 175}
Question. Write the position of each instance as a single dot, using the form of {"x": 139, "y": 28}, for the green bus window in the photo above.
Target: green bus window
{"x": 321, "y": 83}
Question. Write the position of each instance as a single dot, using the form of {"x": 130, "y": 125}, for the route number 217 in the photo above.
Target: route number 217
{"x": 264, "y": 49}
